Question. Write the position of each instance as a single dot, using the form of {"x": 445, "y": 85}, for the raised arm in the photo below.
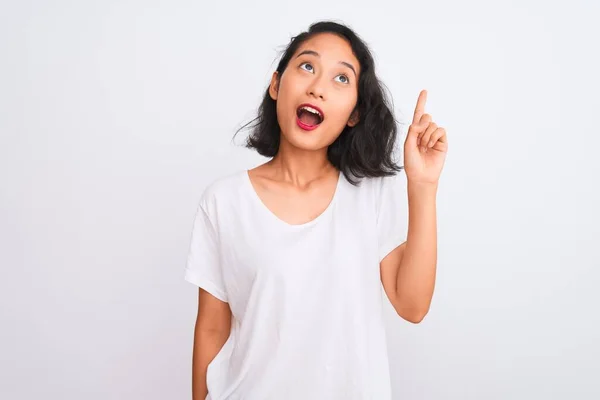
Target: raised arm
{"x": 408, "y": 272}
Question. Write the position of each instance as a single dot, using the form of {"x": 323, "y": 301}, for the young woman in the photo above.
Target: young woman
{"x": 290, "y": 257}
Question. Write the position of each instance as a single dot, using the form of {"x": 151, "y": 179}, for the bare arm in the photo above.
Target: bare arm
{"x": 213, "y": 325}
{"x": 408, "y": 272}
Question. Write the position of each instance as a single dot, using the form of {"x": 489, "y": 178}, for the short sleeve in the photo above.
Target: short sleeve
{"x": 203, "y": 267}
{"x": 392, "y": 213}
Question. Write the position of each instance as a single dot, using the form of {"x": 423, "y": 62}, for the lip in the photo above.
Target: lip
{"x": 310, "y": 127}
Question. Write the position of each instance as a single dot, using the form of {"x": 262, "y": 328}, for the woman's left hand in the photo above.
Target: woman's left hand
{"x": 425, "y": 146}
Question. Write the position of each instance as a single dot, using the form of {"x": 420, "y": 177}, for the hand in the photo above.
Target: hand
{"x": 425, "y": 146}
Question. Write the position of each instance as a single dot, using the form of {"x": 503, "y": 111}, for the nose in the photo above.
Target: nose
{"x": 317, "y": 88}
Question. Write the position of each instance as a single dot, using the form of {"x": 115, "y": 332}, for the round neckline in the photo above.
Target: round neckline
{"x": 256, "y": 198}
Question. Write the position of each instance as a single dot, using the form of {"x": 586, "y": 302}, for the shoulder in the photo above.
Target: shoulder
{"x": 222, "y": 190}
{"x": 378, "y": 186}
{"x": 384, "y": 192}
{"x": 375, "y": 193}
{"x": 391, "y": 182}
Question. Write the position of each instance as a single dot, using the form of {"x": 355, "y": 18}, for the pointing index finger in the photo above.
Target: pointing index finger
{"x": 420, "y": 108}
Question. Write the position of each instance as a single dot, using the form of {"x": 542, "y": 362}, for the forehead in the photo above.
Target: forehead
{"x": 331, "y": 47}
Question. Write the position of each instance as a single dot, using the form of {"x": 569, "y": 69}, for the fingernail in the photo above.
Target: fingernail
{"x": 431, "y": 143}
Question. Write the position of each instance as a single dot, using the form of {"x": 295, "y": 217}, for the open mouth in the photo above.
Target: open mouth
{"x": 309, "y": 116}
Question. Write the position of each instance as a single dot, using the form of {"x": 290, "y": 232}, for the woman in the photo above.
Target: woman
{"x": 290, "y": 256}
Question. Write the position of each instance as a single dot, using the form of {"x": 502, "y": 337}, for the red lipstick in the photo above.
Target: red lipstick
{"x": 307, "y": 127}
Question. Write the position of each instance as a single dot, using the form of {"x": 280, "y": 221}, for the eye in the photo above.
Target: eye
{"x": 344, "y": 79}
{"x": 308, "y": 68}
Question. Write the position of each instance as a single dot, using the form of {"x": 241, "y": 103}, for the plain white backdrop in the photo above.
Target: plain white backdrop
{"x": 114, "y": 116}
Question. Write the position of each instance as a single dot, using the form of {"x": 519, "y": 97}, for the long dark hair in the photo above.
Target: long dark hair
{"x": 365, "y": 150}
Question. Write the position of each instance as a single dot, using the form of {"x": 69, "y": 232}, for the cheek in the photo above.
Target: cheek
{"x": 290, "y": 84}
{"x": 285, "y": 113}
{"x": 344, "y": 110}
{"x": 285, "y": 98}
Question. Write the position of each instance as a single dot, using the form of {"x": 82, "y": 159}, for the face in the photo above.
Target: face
{"x": 317, "y": 92}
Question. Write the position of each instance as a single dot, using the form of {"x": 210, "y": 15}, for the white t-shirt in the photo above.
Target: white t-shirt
{"x": 306, "y": 299}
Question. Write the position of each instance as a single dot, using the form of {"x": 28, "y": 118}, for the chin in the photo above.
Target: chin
{"x": 309, "y": 141}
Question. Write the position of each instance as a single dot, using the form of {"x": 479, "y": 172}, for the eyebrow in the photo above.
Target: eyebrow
{"x": 314, "y": 53}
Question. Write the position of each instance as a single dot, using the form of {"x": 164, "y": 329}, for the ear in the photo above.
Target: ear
{"x": 354, "y": 118}
{"x": 274, "y": 86}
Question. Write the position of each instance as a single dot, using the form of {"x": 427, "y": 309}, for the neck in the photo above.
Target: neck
{"x": 301, "y": 166}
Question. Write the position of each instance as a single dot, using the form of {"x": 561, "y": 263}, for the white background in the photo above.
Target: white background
{"x": 114, "y": 116}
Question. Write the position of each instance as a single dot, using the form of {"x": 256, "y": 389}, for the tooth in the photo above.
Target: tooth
{"x": 312, "y": 110}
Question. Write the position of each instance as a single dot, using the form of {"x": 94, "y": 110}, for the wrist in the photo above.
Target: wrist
{"x": 422, "y": 187}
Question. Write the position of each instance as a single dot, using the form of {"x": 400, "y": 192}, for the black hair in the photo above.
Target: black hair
{"x": 365, "y": 150}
